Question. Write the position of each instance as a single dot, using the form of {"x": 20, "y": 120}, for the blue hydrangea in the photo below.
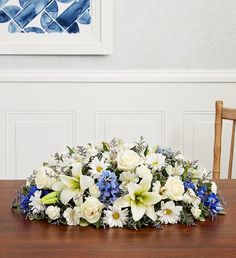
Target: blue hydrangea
{"x": 108, "y": 187}
{"x": 188, "y": 184}
{"x": 213, "y": 202}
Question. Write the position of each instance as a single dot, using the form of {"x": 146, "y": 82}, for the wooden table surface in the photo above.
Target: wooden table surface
{"x": 22, "y": 238}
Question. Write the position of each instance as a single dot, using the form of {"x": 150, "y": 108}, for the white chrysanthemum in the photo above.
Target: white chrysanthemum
{"x": 36, "y": 202}
{"x": 174, "y": 171}
{"x": 126, "y": 178}
{"x": 97, "y": 166}
{"x": 72, "y": 216}
{"x": 115, "y": 217}
{"x": 53, "y": 212}
{"x": 169, "y": 213}
{"x": 155, "y": 160}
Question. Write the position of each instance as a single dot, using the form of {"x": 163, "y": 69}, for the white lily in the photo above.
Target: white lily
{"x": 73, "y": 186}
{"x": 140, "y": 200}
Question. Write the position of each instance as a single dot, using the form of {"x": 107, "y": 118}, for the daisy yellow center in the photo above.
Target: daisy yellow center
{"x": 155, "y": 163}
{"x": 167, "y": 211}
{"x": 116, "y": 215}
{"x": 99, "y": 169}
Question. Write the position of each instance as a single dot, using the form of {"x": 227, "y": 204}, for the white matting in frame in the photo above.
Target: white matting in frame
{"x": 56, "y": 27}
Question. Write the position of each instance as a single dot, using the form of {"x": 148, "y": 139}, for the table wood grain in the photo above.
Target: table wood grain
{"x": 21, "y": 238}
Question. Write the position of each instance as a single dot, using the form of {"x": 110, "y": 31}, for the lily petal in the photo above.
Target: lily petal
{"x": 146, "y": 183}
{"x": 138, "y": 210}
{"x": 150, "y": 212}
{"x": 134, "y": 189}
{"x": 122, "y": 202}
{"x": 77, "y": 169}
{"x": 58, "y": 186}
{"x": 67, "y": 194}
{"x": 86, "y": 182}
{"x": 69, "y": 181}
{"x": 150, "y": 198}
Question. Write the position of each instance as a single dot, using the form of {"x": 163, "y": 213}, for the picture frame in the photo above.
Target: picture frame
{"x": 94, "y": 39}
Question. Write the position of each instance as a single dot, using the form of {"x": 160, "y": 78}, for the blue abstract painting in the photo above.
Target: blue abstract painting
{"x": 44, "y": 16}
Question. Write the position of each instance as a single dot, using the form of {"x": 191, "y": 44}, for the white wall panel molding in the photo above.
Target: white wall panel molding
{"x": 117, "y": 76}
{"x": 31, "y": 137}
{"x": 131, "y": 125}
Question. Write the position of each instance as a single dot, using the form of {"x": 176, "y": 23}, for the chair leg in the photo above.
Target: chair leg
{"x": 231, "y": 151}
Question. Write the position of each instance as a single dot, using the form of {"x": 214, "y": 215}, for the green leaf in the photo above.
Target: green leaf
{"x": 97, "y": 224}
{"x": 71, "y": 151}
{"x": 146, "y": 151}
{"x": 106, "y": 146}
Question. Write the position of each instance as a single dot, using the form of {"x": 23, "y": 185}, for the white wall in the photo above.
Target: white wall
{"x": 47, "y": 102}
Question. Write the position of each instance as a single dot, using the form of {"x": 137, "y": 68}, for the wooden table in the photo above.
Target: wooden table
{"x": 21, "y": 238}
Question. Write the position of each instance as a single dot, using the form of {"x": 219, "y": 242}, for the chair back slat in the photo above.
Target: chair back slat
{"x": 217, "y": 143}
{"x": 229, "y": 113}
{"x": 231, "y": 151}
{"x": 220, "y": 114}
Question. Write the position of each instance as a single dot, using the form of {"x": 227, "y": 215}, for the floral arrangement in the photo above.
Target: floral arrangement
{"x": 119, "y": 185}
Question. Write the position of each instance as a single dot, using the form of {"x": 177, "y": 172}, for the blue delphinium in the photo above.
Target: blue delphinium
{"x": 108, "y": 187}
{"x": 25, "y": 198}
{"x": 213, "y": 202}
{"x": 188, "y": 184}
{"x": 201, "y": 192}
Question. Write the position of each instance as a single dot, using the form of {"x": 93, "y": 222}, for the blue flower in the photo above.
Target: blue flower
{"x": 214, "y": 204}
{"x": 188, "y": 184}
{"x": 108, "y": 186}
{"x": 25, "y": 198}
{"x": 201, "y": 192}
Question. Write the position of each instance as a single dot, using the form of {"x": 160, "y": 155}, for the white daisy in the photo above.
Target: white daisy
{"x": 155, "y": 160}
{"x": 169, "y": 213}
{"x": 115, "y": 217}
{"x": 72, "y": 216}
{"x": 98, "y": 166}
{"x": 36, "y": 202}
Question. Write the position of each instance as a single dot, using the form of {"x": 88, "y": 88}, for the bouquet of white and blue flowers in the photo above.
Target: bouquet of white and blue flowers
{"x": 119, "y": 185}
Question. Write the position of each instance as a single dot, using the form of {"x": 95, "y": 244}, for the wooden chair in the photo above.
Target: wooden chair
{"x": 220, "y": 114}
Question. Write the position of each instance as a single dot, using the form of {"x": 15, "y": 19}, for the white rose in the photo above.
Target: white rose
{"x": 174, "y": 189}
{"x": 53, "y": 212}
{"x": 196, "y": 212}
{"x": 91, "y": 209}
{"x": 94, "y": 191}
{"x": 143, "y": 171}
{"x": 128, "y": 160}
{"x": 213, "y": 187}
{"x": 45, "y": 178}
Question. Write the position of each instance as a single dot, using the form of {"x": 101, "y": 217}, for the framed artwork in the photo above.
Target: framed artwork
{"x": 56, "y": 27}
